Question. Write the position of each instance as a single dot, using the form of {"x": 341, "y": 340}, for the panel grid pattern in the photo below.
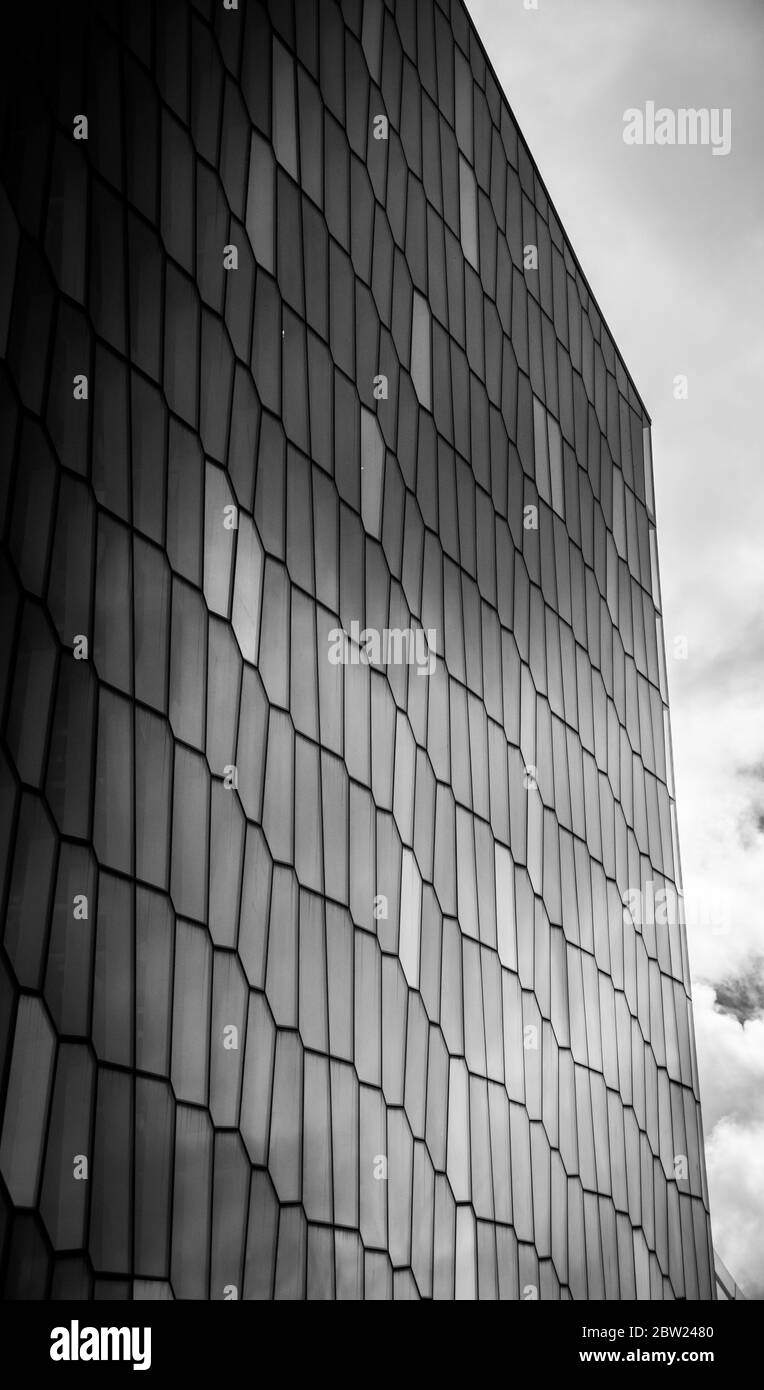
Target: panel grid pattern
{"x": 319, "y": 960}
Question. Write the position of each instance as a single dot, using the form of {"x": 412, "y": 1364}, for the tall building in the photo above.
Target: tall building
{"x": 342, "y": 951}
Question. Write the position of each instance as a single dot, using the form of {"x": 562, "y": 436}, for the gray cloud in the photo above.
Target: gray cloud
{"x": 742, "y": 995}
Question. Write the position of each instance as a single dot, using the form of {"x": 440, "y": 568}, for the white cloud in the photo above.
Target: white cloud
{"x": 731, "y": 1062}
{"x": 731, "y": 1065}
{"x": 736, "y": 1182}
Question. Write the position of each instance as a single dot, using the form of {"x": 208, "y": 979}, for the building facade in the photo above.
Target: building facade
{"x": 342, "y": 953}
{"x": 727, "y": 1289}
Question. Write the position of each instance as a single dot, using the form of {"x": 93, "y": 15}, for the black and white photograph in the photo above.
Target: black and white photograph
{"x": 382, "y": 669}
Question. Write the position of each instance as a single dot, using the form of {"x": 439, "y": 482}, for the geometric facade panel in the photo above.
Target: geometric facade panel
{"x": 342, "y": 951}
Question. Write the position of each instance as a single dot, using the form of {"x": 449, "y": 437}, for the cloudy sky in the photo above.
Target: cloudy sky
{"x": 672, "y": 242}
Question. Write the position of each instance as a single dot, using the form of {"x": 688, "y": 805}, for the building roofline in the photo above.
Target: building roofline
{"x": 551, "y": 202}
